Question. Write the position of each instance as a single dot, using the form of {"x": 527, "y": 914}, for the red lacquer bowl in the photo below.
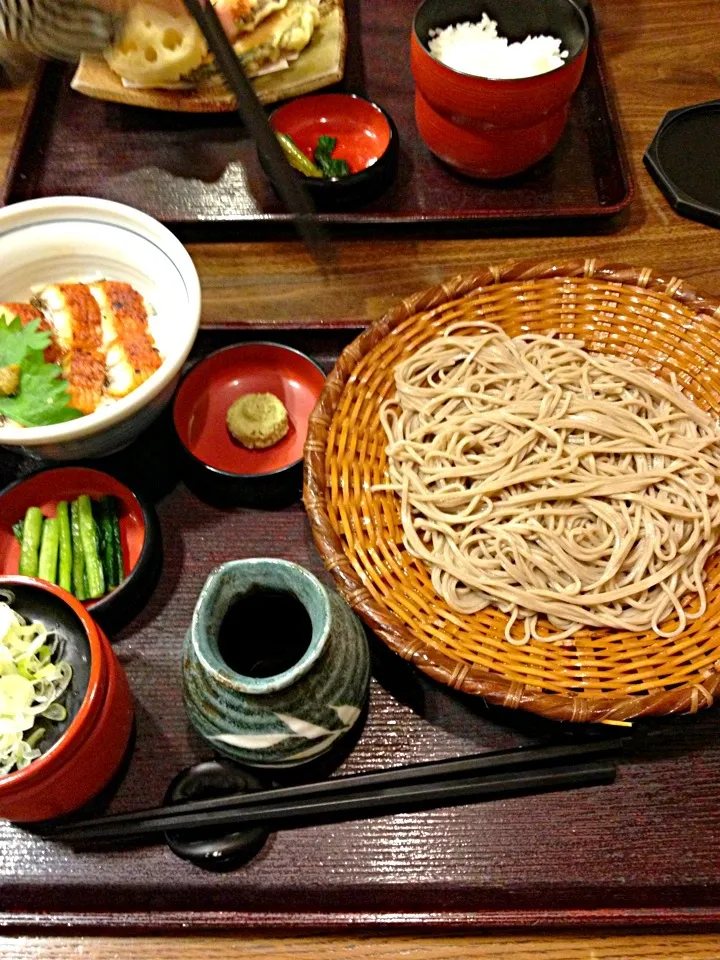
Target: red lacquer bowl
{"x": 82, "y": 755}
{"x": 139, "y": 533}
{"x": 366, "y": 137}
{"x": 496, "y": 128}
{"x": 218, "y": 467}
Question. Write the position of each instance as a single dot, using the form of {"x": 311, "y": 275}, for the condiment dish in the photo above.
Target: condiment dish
{"x": 489, "y": 128}
{"x": 367, "y": 139}
{"x": 215, "y": 465}
{"x": 140, "y": 534}
{"x": 81, "y": 755}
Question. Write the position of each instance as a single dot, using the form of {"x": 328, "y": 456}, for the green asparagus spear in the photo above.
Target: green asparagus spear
{"x": 113, "y": 546}
{"x": 89, "y": 537}
{"x": 78, "y": 577}
{"x": 97, "y": 512}
{"x": 48, "y": 564}
{"x": 105, "y": 535}
{"x": 117, "y": 540}
{"x": 32, "y": 531}
{"x": 65, "y": 564}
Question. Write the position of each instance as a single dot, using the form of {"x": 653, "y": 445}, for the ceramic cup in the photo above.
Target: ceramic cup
{"x": 290, "y": 717}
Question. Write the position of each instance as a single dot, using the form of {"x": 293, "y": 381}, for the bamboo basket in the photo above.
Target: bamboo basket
{"x": 603, "y": 675}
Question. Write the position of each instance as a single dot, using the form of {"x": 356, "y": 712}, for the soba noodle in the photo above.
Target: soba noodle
{"x": 552, "y": 483}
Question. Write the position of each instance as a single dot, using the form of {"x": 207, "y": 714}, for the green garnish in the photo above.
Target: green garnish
{"x": 325, "y": 164}
{"x": 331, "y": 167}
{"x": 17, "y": 341}
{"x": 43, "y": 398}
{"x": 296, "y": 158}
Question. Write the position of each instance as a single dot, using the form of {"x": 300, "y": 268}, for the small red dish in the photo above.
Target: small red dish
{"x": 139, "y": 532}
{"x": 219, "y": 466}
{"x": 361, "y": 128}
{"x": 366, "y": 137}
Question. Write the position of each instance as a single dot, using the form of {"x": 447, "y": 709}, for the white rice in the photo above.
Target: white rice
{"x": 476, "y": 48}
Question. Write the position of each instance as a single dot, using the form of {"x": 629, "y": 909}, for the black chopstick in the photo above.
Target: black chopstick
{"x": 433, "y": 771}
{"x": 471, "y": 765}
{"x": 361, "y": 805}
{"x": 291, "y": 190}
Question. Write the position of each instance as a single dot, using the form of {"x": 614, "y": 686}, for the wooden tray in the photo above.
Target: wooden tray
{"x": 643, "y": 852}
{"x": 200, "y": 175}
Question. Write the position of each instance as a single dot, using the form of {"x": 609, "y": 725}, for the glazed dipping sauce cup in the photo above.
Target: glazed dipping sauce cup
{"x": 496, "y": 128}
{"x": 86, "y": 756}
{"x": 291, "y": 717}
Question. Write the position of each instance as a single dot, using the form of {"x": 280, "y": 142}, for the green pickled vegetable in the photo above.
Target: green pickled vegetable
{"x": 112, "y": 557}
{"x": 99, "y": 518}
{"x": 297, "y": 159}
{"x": 18, "y": 529}
{"x": 78, "y": 573}
{"x": 30, "y": 548}
{"x": 102, "y": 511}
{"x": 117, "y": 539}
{"x": 330, "y": 166}
{"x": 65, "y": 557}
{"x": 89, "y": 537}
{"x": 48, "y": 563}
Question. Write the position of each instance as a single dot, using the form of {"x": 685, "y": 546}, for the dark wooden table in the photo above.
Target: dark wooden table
{"x": 661, "y": 54}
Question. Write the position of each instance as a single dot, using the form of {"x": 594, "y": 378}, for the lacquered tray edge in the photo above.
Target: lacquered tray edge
{"x": 646, "y": 919}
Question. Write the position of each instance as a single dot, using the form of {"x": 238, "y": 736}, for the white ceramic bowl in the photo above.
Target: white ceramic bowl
{"x": 63, "y": 238}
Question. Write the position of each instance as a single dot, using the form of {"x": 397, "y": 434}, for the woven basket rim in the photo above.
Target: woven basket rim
{"x": 462, "y": 677}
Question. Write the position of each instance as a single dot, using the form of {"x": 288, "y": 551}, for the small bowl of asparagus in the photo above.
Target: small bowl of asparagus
{"x": 84, "y": 531}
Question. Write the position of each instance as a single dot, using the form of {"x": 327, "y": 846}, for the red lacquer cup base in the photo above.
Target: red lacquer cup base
{"x": 487, "y": 152}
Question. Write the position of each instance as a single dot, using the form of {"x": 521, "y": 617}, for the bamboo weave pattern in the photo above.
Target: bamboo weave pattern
{"x": 602, "y": 675}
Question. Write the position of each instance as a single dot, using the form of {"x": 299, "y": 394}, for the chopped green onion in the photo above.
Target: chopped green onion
{"x": 30, "y": 686}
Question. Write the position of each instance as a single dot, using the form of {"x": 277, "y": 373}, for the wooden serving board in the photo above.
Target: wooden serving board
{"x": 642, "y": 852}
{"x": 319, "y": 65}
{"x": 201, "y": 176}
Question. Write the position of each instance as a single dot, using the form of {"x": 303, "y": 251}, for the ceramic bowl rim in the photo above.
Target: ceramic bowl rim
{"x": 330, "y": 183}
{"x": 113, "y": 215}
{"x": 260, "y": 686}
{"x": 510, "y": 80}
{"x": 20, "y": 777}
{"x": 217, "y": 471}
